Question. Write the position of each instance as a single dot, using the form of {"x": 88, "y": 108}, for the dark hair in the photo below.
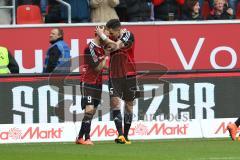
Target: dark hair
{"x": 113, "y": 23}
{"x": 190, "y": 4}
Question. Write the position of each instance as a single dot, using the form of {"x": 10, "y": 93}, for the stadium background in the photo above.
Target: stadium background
{"x": 198, "y": 92}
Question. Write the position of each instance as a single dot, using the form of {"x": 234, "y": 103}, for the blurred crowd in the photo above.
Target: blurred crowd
{"x": 52, "y": 11}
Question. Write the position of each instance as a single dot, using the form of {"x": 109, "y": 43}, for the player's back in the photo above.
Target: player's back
{"x": 122, "y": 61}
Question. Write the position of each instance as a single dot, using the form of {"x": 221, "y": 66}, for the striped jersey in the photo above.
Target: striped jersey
{"x": 122, "y": 61}
{"x": 93, "y": 55}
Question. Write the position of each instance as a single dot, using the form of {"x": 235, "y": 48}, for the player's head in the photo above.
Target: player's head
{"x": 55, "y": 34}
{"x": 114, "y": 28}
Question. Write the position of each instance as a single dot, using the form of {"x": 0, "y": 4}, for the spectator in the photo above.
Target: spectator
{"x": 233, "y": 4}
{"x": 53, "y": 14}
{"x": 103, "y": 10}
{"x": 138, "y": 10}
{"x": 5, "y": 13}
{"x": 121, "y": 11}
{"x": 165, "y": 10}
{"x": 44, "y": 6}
{"x": 220, "y": 11}
{"x": 58, "y": 59}
{"x": 7, "y": 62}
{"x": 80, "y": 11}
{"x": 191, "y": 10}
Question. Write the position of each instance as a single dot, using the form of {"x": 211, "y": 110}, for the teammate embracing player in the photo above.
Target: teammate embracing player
{"x": 122, "y": 76}
{"x": 91, "y": 88}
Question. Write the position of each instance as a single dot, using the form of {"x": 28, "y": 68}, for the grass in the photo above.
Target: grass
{"x": 183, "y": 149}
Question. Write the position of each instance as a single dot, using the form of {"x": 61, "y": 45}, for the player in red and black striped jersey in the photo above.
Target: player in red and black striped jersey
{"x": 122, "y": 80}
{"x": 94, "y": 55}
{"x": 94, "y": 61}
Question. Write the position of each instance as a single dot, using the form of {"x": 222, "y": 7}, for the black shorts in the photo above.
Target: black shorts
{"x": 124, "y": 88}
{"x": 91, "y": 94}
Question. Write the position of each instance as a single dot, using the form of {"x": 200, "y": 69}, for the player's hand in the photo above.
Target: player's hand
{"x": 99, "y": 30}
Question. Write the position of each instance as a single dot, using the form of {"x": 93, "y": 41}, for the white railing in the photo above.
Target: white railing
{"x": 13, "y": 11}
{"x": 69, "y": 9}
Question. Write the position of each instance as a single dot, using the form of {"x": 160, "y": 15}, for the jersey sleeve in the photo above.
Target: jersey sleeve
{"x": 91, "y": 57}
{"x": 127, "y": 39}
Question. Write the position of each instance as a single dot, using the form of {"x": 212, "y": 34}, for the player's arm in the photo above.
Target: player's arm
{"x": 102, "y": 64}
{"x": 126, "y": 39}
{"x": 94, "y": 61}
{"x": 110, "y": 44}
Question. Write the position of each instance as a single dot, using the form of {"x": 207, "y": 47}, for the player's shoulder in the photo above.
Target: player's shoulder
{"x": 126, "y": 31}
{"x": 92, "y": 45}
{"x": 127, "y": 35}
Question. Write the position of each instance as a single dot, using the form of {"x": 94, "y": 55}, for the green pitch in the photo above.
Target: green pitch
{"x": 184, "y": 149}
